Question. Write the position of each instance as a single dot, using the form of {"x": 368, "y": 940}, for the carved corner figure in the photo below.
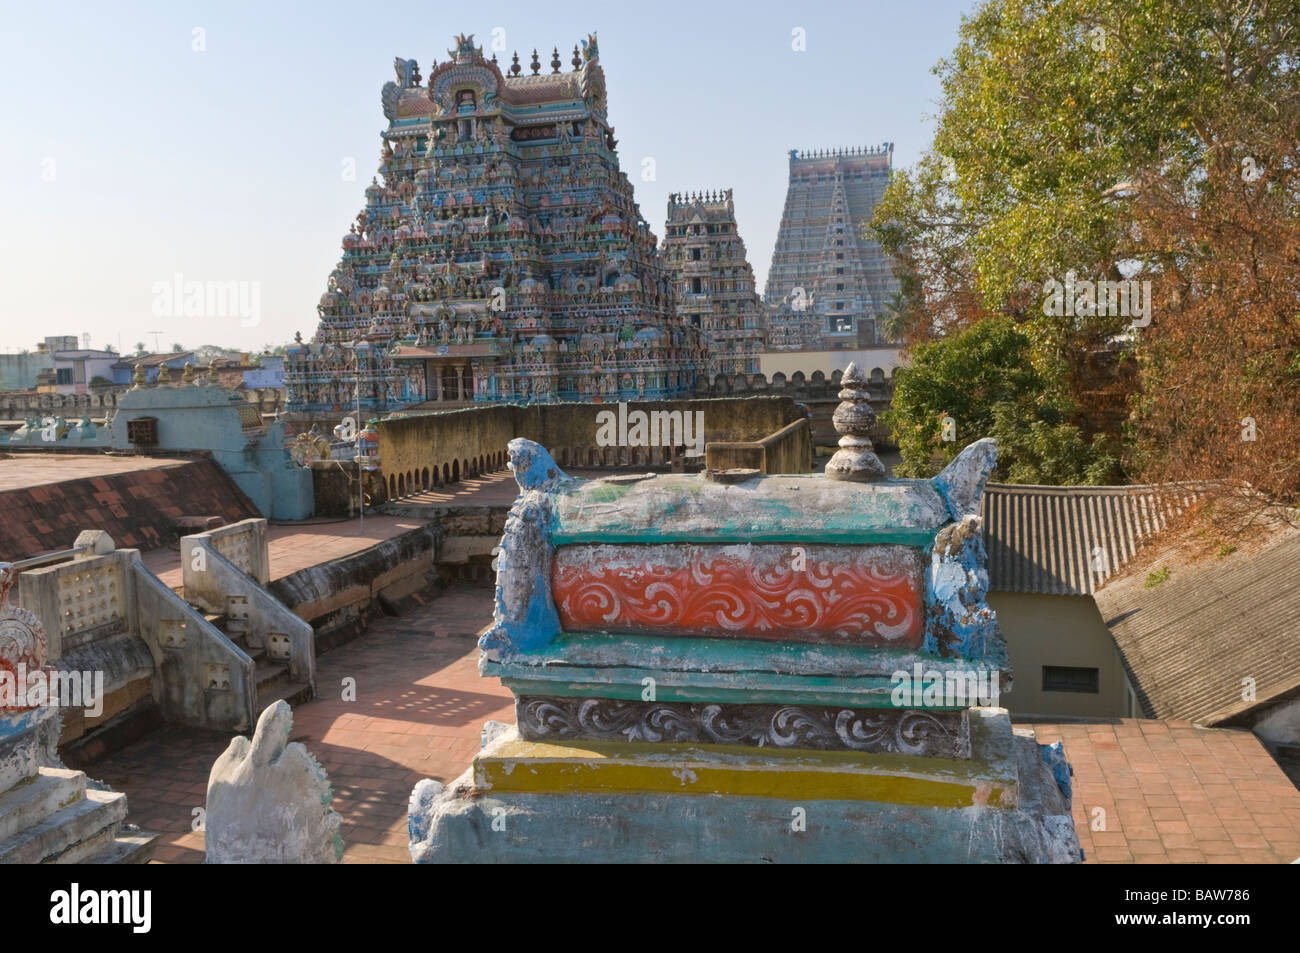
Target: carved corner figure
{"x": 524, "y": 615}
{"x": 269, "y": 800}
{"x": 23, "y": 646}
{"x": 957, "y": 579}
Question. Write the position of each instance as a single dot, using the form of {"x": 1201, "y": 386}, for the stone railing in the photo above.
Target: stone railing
{"x": 109, "y": 614}
{"x": 225, "y": 571}
{"x": 205, "y": 679}
{"x": 244, "y": 545}
{"x": 19, "y": 405}
{"x": 788, "y": 450}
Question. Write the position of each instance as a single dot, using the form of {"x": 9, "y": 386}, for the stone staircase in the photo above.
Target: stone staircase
{"x": 53, "y": 817}
{"x": 272, "y": 678}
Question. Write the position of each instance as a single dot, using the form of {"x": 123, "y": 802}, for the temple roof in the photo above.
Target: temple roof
{"x": 1044, "y": 539}
{"x": 1188, "y": 642}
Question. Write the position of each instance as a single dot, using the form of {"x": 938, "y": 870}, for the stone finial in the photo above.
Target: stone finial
{"x": 269, "y": 800}
{"x": 853, "y": 420}
{"x": 138, "y": 377}
{"x": 164, "y": 376}
{"x": 555, "y": 60}
{"x": 211, "y": 380}
{"x": 536, "y": 64}
{"x": 514, "y": 65}
{"x": 577, "y": 58}
{"x": 187, "y": 375}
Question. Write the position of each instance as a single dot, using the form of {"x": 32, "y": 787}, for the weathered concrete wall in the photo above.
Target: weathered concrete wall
{"x": 432, "y": 449}
{"x": 788, "y": 450}
{"x": 1061, "y": 631}
{"x": 338, "y": 597}
{"x": 208, "y": 418}
{"x": 335, "y": 485}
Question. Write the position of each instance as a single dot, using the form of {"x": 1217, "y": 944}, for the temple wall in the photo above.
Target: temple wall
{"x": 432, "y": 449}
{"x": 1065, "y": 631}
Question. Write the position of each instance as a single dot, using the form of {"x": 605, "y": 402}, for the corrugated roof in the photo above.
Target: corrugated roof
{"x": 1189, "y": 641}
{"x": 1068, "y": 540}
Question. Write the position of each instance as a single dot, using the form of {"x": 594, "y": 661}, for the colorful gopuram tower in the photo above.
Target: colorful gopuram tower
{"x": 713, "y": 281}
{"x": 500, "y": 255}
{"x": 733, "y": 667}
{"x": 828, "y": 285}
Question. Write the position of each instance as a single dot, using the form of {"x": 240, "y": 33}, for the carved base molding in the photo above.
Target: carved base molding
{"x": 907, "y": 731}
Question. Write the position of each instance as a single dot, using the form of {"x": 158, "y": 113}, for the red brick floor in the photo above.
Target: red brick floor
{"x": 1169, "y": 792}
{"x": 419, "y": 710}
{"x": 295, "y": 546}
{"x": 497, "y": 488}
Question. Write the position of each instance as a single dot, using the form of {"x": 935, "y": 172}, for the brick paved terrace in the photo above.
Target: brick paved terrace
{"x": 1172, "y": 793}
{"x": 419, "y": 709}
{"x": 295, "y": 546}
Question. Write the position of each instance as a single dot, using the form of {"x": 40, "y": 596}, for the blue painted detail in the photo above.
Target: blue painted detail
{"x": 1053, "y": 756}
{"x": 958, "y": 618}
{"x": 962, "y": 482}
{"x": 525, "y": 617}
{"x": 11, "y": 725}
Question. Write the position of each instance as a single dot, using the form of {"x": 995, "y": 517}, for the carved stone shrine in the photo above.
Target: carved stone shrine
{"x": 795, "y": 668}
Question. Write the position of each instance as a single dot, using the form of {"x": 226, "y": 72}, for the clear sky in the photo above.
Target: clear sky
{"x": 129, "y": 156}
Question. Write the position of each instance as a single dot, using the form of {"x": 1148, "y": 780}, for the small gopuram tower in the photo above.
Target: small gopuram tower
{"x": 713, "y": 280}
{"x": 792, "y": 668}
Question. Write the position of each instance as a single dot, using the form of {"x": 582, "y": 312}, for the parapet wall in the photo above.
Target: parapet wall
{"x": 423, "y": 450}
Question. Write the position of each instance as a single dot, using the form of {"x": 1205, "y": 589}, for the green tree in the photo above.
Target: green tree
{"x": 140, "y": 349}
{"x": 1057, "y": 118}
{"x": 980, "y": 382}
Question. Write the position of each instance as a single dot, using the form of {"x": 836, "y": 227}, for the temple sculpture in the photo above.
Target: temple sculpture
{"x": 500, "y": 255}
{"x": 713, "y": 280}
{"x": 711, "y": 667}
{"x": 829, "y": 284}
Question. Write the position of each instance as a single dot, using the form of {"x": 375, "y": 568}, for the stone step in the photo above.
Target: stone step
{"x": 266, "y": 674}
{"x": 129, "y": 847}
{"x": 51, "y": 790}
{"x": 295, "y": 693}
{"x": 80, "y": 830}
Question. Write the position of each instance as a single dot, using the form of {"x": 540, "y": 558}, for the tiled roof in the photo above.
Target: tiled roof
{"x": 1189, "y": 642}
{"x": 138, "y": 508}
{"x": 1068, "y": 540}
{"x": 152, "y": 360}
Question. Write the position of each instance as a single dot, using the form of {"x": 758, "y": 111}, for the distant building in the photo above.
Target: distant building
{"x": 828, "y": 286}
{"x": 76, "y": 371}
{"x": 124, "y": 369}
{"x": 21, "y": 371}
{"x": 713, "y": 281}
{"x": 42, "y": 369}
{"x": 501, "y": 258}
